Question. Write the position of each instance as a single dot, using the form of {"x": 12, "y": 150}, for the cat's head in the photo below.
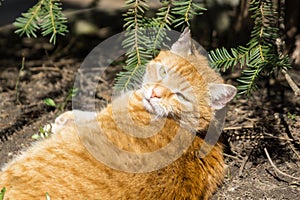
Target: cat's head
{"x": 173, "y": 87}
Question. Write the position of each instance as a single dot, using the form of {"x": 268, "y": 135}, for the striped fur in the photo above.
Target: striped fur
{"x": 62, "y": 166}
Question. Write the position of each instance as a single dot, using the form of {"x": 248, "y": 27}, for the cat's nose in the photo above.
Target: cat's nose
{"x": 156, "y": 93}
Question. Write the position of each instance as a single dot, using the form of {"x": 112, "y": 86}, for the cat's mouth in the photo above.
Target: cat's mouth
{"x": 148, "y": 105}
{"x": 153, "y": 106}
{"x": 153, "y": 101}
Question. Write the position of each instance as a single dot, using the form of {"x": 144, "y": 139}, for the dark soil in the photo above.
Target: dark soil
{"x": 270, "y": 120}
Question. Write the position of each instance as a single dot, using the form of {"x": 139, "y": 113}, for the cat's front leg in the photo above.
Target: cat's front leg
{"x": 68, "y": 118}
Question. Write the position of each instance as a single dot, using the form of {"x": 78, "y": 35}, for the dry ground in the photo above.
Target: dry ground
{"x": 270, "y": 120}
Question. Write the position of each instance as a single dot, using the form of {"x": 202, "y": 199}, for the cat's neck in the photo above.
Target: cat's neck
{"x": 128, "y": 122}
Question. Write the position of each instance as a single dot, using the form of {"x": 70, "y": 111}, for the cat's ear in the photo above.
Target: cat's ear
{"x": 183, "y": 46}
{"x": 220, "y": 94}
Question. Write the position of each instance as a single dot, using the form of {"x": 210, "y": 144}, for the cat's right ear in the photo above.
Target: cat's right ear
{"x": 220, "y": 94}
{"x": 183, "y": 46}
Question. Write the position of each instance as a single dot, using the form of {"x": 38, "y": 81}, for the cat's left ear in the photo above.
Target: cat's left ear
{"x": 183, "y": 46}
{"x": 220, "y": 94}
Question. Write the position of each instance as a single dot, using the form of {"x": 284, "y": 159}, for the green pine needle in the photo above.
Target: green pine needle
{"x": 136, "y": 42}
{"x": 186, "y": 10}
{"x": 146, "y": 36}
{"x": 2, "y": 193}
{"x": 260, "y": 53}
{"x": 46, "y": 16}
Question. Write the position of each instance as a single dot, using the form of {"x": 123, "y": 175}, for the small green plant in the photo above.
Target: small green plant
{"x": 61, "y": 106}
{"x": 292, "y": 116}
{"x": 50, "y": 102}
{"x": 46, "y": 16}
{"x": 3, "y": 190}
{"x": 43, "y": 133}
{"x": 48, "y": 196}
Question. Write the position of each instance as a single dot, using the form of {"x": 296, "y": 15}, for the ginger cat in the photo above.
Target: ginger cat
{"x": 106, "y": 155}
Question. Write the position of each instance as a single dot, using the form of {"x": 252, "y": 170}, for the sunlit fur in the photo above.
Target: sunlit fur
{"x": 183, "y": 88}
{"x": 62, "y": 167}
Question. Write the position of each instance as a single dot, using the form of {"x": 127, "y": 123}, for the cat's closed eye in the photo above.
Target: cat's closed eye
{"x": 181, "y": 96}
{"x": 162, "y": 72}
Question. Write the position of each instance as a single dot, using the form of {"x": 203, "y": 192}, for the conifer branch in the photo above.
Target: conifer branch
{"x": 260, "y": 54}
{"x": 45, "y": 15}
{"x": 28, "y": 24}
{"x": 146, "y": 35}
{"x": 290, "y": 81}
{"x": 185, "y": 10}
{"x": 54, "y": 22}
{"x": 137, "y": 54}
{"x": 165, "y": 19}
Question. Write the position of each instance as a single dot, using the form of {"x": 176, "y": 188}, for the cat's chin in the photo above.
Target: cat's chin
{"x": 148, "y": 106}
{"x": 156, "y": 110}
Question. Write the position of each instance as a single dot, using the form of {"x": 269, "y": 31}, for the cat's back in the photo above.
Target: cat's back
{"x": 59, "y": 166}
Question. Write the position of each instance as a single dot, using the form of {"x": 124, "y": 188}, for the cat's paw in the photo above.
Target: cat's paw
{"x": 75, "y": 116}
{"x": 70, "y": 118}
{"x": 64, "y": 118}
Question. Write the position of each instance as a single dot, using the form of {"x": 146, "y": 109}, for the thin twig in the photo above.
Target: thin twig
{"x": 276, "y": 169}
{"x": 231, "y": 156}
{"x": 286, "y": 139}
{"x": 288, "y": 135}
{"x": 44, "y": 68}
{"x": 294, "y": 150}
{"x": 18, "y": 81}
{"x": 292, "y": 84}
{"x": 245, "y": 159}
{"x": 237, "y": 127}
{"x": 289, "y": 140}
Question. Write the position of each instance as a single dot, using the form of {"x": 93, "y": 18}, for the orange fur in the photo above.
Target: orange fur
{"x": 62, "y": 166}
